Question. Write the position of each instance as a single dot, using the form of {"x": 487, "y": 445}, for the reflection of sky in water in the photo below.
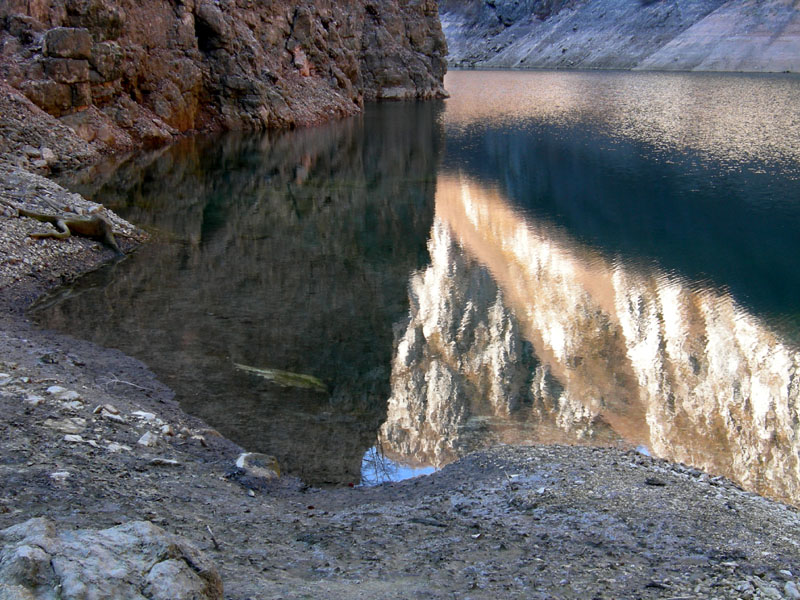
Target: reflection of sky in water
{"x": 730, "y": 118}
{"x": 694, "y": 174}
{"x": 377, "y": 468}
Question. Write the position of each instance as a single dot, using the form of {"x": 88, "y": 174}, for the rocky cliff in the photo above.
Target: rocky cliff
{"x": 703, "y": 35}
{"x": 124, "y": 74}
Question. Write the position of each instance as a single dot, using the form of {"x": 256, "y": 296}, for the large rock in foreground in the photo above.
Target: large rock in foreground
{"x": 124, "y": 73}
{"x": 133, "y": 561}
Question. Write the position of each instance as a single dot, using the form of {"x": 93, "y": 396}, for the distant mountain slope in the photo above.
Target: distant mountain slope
{"x": 703, "y": 35}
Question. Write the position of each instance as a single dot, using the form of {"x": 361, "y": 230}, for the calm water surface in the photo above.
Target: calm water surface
{"x": 601, "y": 258}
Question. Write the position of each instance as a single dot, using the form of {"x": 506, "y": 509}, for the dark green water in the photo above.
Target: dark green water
{"x": 667, "y": 200}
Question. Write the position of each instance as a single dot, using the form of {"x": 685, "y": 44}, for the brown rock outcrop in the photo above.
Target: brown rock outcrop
{"x": 156, "y": 68}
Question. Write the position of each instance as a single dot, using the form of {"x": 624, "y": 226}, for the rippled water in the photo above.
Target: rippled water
{"x": 603, "y": 258}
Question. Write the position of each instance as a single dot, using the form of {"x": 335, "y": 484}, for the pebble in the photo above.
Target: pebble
{"x": 109, "y": 408}
{"x": 112, "y": 417}
{"x": 145, "y": 416}
{"x": 48, "y": 155}
{"x": 167, "y": 430}
{"x": 116, "y": 447}
{"x": 148, "y": 439}
{"x": 56, "y": 389}
{"x": 69, "y": 425}
{"x": 31, "y": 152}
{"x": 791, "y": 591}
{"x": 786, "y": 574}
{"x": 60, "y": 476}
{"x": 164, "y": 462}
{"x": 34, "y": 400}
{"x": 73, "y": 438}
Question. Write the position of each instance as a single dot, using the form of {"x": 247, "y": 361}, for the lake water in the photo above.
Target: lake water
{"x": 571, "y": 257}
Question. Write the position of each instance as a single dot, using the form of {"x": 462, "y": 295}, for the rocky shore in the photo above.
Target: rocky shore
{"x": 110, "y": 490}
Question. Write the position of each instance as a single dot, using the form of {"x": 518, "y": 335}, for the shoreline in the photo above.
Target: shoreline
{"x": 91, "y": 439}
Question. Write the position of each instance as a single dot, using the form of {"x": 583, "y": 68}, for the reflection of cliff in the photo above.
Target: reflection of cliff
{"x": 684, "y": 370}
{"x": 287, "y": 252}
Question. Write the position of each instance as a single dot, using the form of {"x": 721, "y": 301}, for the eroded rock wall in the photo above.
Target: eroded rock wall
{"x": 126, "y": 73}
{"x": 702, "y": 35}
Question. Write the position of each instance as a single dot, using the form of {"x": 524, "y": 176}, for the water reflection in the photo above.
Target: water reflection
{"x": 518, "y": 334}
{"x": 731, "y": 118}
{"x": 697, "y": 174}
{"x": 287, "y": 255}
{"x": 612, "y": 260}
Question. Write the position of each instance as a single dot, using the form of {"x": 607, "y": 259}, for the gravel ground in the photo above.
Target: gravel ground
{"x": 91, "y": 439}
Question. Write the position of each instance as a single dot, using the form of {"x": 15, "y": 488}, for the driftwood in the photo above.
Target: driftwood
{"x": 95, "y": 227}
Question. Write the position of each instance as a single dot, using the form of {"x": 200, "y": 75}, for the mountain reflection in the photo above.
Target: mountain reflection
{"x": 288, "y": 251}
{"x": 517, "y": 333}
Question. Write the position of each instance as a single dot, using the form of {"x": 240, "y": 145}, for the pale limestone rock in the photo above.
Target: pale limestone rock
{"x": 133, "y": 561}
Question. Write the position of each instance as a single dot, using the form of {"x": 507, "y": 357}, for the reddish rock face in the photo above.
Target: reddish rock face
{"x": 157, "y": 68}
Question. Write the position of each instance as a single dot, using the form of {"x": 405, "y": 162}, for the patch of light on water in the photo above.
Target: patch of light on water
{"x": 377, "y": 468}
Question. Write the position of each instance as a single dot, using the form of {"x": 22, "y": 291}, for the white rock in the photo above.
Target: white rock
{"x": 34, "y": 400}
{"x": 48, "y": 155}
{"x": 69, "y": 425}
{"x": 115, "y": 447}
{"x": 148, "y": 439}
{"x": 109, "y": 408}
{"x": 68, "y": 396}
{"x": 60, "y": 476}
{"x": 144, "y": 416}
{"x": 56, "y": 389}
{"x": 75, "y": 439}
{"x": 167, "y": 430}
{"x": 112, "y": 417}
{"x": 791, "y": 591}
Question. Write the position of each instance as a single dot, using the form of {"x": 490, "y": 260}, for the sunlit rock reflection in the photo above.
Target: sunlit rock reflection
{"x": 518, "y": 334}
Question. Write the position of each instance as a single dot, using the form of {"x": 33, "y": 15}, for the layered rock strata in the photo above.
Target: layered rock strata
{"x": 123, "y": 74}
{"x": 707, "y": 35}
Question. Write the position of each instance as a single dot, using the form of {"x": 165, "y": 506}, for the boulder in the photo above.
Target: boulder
{"x": 133, "y": 561}
{"x": 261, "y": 466}
{"x": 67, "y": 42}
